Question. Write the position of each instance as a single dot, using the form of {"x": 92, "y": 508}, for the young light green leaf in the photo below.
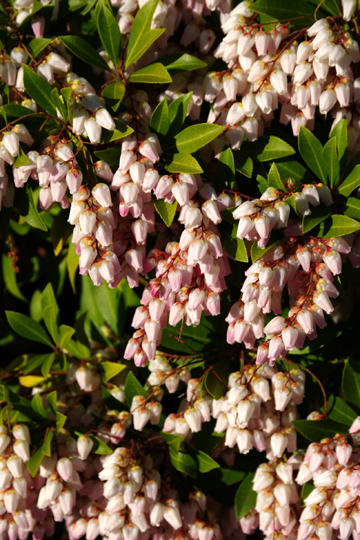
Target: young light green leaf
{"x": 206, "y": 463}
{"x": 274, "y": 179}
{"x": 113, "y": 94}
{"x": 166, "y": 211}
{"x": 133, "y": 388}
{"x": 141, "y": 35}
{"x": 178, "y": 62}
{"x": 37, "y": 45}
{"x": 183, "y": 463}
{"x": 34, "y": 462}
{"x": 46, "y": 366}
{"x": 339, "y": 132}
{"x": 351, "y": 182}
{"x": 151, "y": 74}
{"x": 85, "y": 51}
{"x": 337, "y": 225}
{"x": 28, "y": 328}
{"x": 182, "y": 163}
{"x": 39, "y": 90}
{"x": 331, "y": 160}
{"x": 245, "y": 498}
{"x": 21, "y": 159}
{"x": 109, "y": 32}
{"x": 160, "y": 119}
{"x": 72, "y": 263}
{"x": 192, "y": 138}
{"x": 110, "y": 370}
{"x": 311, "y": 150}
{"x": 46, "y": 446}
{"x": 37, "y": 406}
{"x": 315, "y": 430}
{"x": 65, "y": 334}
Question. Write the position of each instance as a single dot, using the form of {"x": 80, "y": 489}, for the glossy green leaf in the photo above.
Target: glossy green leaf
{"x": 151, "y": 74}
{"x": 27, "y": 208}
{"x": 245, "y": 498}
{"x": 109, "y": 32}
{"x": 305, "y": 491}
{"x": 34, "y": 462}
{"x": 244, "y": 164}
{"x": 351, "y": 382}
{"x": 173, "y": 440}
{"x": 294, "y": 169}
{"x": 275, "y": 239}
{"x": 121, "y": 130}
{"x": 315, "y": 430}
{"x": 205, "y": 462}
{"x": 225, "y": 169}
{"x": 108, "y": 303}
{"x": 46, "y": 366}
{"x": 60, "y": 105}
{"x": 352, "y": 208}
{"x": 178, "y": 62}
{"x": 339, "y": 410}
{"x": 311, "y": 150}
{"x": 99, "y": 447}
{"x": 235, "y": 247}
{"x": 110, "y": 370}
{"x": 37, "y": 45}
{"x": 39, "y": 90}
{"x": 318, "y": 215}
{"x": 337, "y": 225}
{"x": 60, "y": 418}
{"x": 113, "y": 94}
{"x": 9, "y": 276}
{"x": 267, "y": 148}
{"x": 85, "y": 51}
{"x": 160, "y": 119}
{"x": 21, "y": 159}
{"x": 110, "y": 155}
{"x": 183, "y": 463}
{"x": 141, "y": 35}
{"x": 13, "y": 110}
{"x": 351, "y": 182}
{"x": 72, "y": 263}
{"x": 37, "y": 406}
{"x": 182, "y": 163}
{"x": 51, "y": 311}
{"x": 178, "y": 111}
{"x": 28, "y": 328}
{"x": 46, "y": 446}
{"x": 188, "y": 339}
{"x": 166, "y": 210}
{"x": 133, "y": 388}
{"x": 65, "y": 334}
{"x": 281, "y": 9}
{"x": 192, "y": 138}
{"x": 35, "y": 362}
{"x": 274, "y": 179}
{"x": 339, "y": 132}
{"x": 331, "y": 160}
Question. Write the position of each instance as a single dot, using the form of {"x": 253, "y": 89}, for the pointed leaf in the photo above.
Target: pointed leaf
{"x": 51, "y": 311}
{"x": 85, "y": 51}
{"x": 35, "y": 362}
{"x": 121, "y": 130}
{"x": 206, "y": 463}
{"x": 351, "y": 382}
{"x": 182, "y": 163}
{"x": 27, "y": 208}
{"x": 318, "y": 215}
{"x": 225, "y": 169}
{"x": 34, "y": 462}
{"x": 352, "y": 208}
{"x": 337, "y": 225}
{"x": 46, "y": 446}
{"x": 72, "y": 263}
{"x": 39, "y": 90}
{"x": 245, "y": 498}
{"x": 9, "y": 276}
{"x": 339, "y": 132}
{"x": 99, "y": 447}
{"x": 315, "y": 430}
{"x": 178, "y": 62}
{"x": 113, "y": 94}
{"x": 281, "y": 9}
{"x": 65, "y": 334}
{"x": 192, "y": 138}
{"x": 28, "y": 328}
{"x": 351, "y": 182}
{"x": 166, "y": 211}
{"x": 340, "y": 411}
{"x": 21, "y": 159}
{"x": 133, "y": 388}
{"x": 267, "y": 148}
{"x": 311, "y": 150}
{"x": 152, "y": 74}
{"x": 160, "y": 119}
{"x": 183, "y": 463}
{"x": 332, "y": 164}
{"x": 178, "y": 111}
{"x": 37, "y": 406}
{"x": 37, "y": 45}
{"x": 110, "y": 370}
{"x": 45, "y": 368}
{"x": 173, "y": 440}
{"x": 109, "y": 32}
{"x": 274, "y": 179}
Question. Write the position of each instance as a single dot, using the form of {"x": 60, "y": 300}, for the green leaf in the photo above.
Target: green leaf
{"x": 177, "y": 112}
{"x": 183, "y": 463}
{"x": 315, "y": 430}
{"x": 351, "y": 382}
{"x": 174, "y": 441}
{"x": 110, "y": 155}
{"x": 225, "y": 169}
{"x": 160, "y": 119}
{"x": 109, "y": 32}
{"x": 9, "y": 276}
{"x": 267, "y": 148}
{"x": 340, "y": 411}
{"x": 311, "y": 150}
{"x": 66, "y": 94}
{"x": 318, "y": 215}
{"x": 152, "y": 74}
{"x": 244, "y": 164}
{"x": 60, "y": 105}
{"x": 27, "y": 208}
{"x": 332, "y": 164}
{"x": 37, "y": 6}
{"x": 15, "y": 110}
{"x": 37, "y": 45}
{"x": 113, "y": 94}
{"x": 108, "y": 303}
{"x": 339, "y": 132}
{"x": 85, "y": 51}
{"x": 60, "y": 418}
{"x": 37, "y": 406}
{"x": 206, "y": 463}
{"x": 141, "y": 35}
{"x": 352, "y": 208}
{"x": 121, "y": 130}
{"x": 245, "y": 498}
{"x": 297, "y": 171}
{"x": 46, "y": 446}
{"x": 337, "y": 225}
{"x": 178, "y": 62}
{"x": 305, "y": 491}
{"x": 192, "y": 138}
{"x": 39, "y": 90}
{"x": 65, "y": 333}
{"x": 235, "y": 247}
{"x": 51, "y": 311}
{"x": 274, "y": 179}
{"x": 35, "y": 362}
{"x": 275, "y": 239}
{"x": 21, "y": 159}
{"x": 166, "y": 211}
{"x": 72, "y": 263}
{"x": 60, "y": 231}
{"x": 182, "y": 163}
{"x": 133, "y": 388}
{"x": 192, "y": 338}
{"x": 50, "y": 323}
{"x": 281, "y": 9}
{"x": 45, "y": 368}
{"x": 110, "y": 370}
{"x": 351, "y": 182}
{"x": 217, "y": 379}
{"x": 28, "y": 328}
{"x": 99, "y": 447}
{"x": 34, "y": 462}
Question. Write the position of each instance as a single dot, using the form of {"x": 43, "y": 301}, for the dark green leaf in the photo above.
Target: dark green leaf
{"x": 305, "y": 491}
{"x": 225, "y": 169}
{"x": 60, "y": 106}
{"x": 193, "y": 338}
{"x": 318, "y": 214}
{"x": 108, "y": 303}
{"x": 51, "y": 311}
{"x": 294, "y": 169}
{"x": 235, "y": 247}
{"x": 110, "y": 155}
{"x": 151, "y": 74}
{"x": 351, "y": 182}
{"x": 275, "y": 239}
{"x": 332, "y": 164}
{"x": 274, "y": 179}
{"x": 85, "y": 51}
{"x": 113, "y": 94}
{"x": 217, "y": 379}
{"x": 99, "y": 446}
{"x": 35, "y": 362}
{"x": 281, "y": 9}
{"x": 351, "y": 382}
{"x": 121, "y": 130}
{"x": 160, "y": 119}
{"x": 65, "y": 334}
{"x": 9, "y": 276}
{"x": 245, "y": 498}
{"x": 46, "y": 366}
{"x": 37, "y": 45}
{"x": 315, "y": 430}
{"x": 28, "y": 328}
{"x": 109, "y": 32}
{"x": 339, "y": 132}
{"x": 244, "y": 164}
{"x": 177, "y": 112}
{"x": 267, "y": 148}
{"x": 39, "y": 90}
{"x": 352, "y": 208}
{"x": 166, "y": 211}
{"x": 37, "y": 406}
{"x": 311, "y": 150}
{"x": 34, "y": 462}
{"x": 182, "y": 163}
{"x": 183, "y": 463}
{"x": 133, "y": 388}
{"x": 141, "y": 35}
